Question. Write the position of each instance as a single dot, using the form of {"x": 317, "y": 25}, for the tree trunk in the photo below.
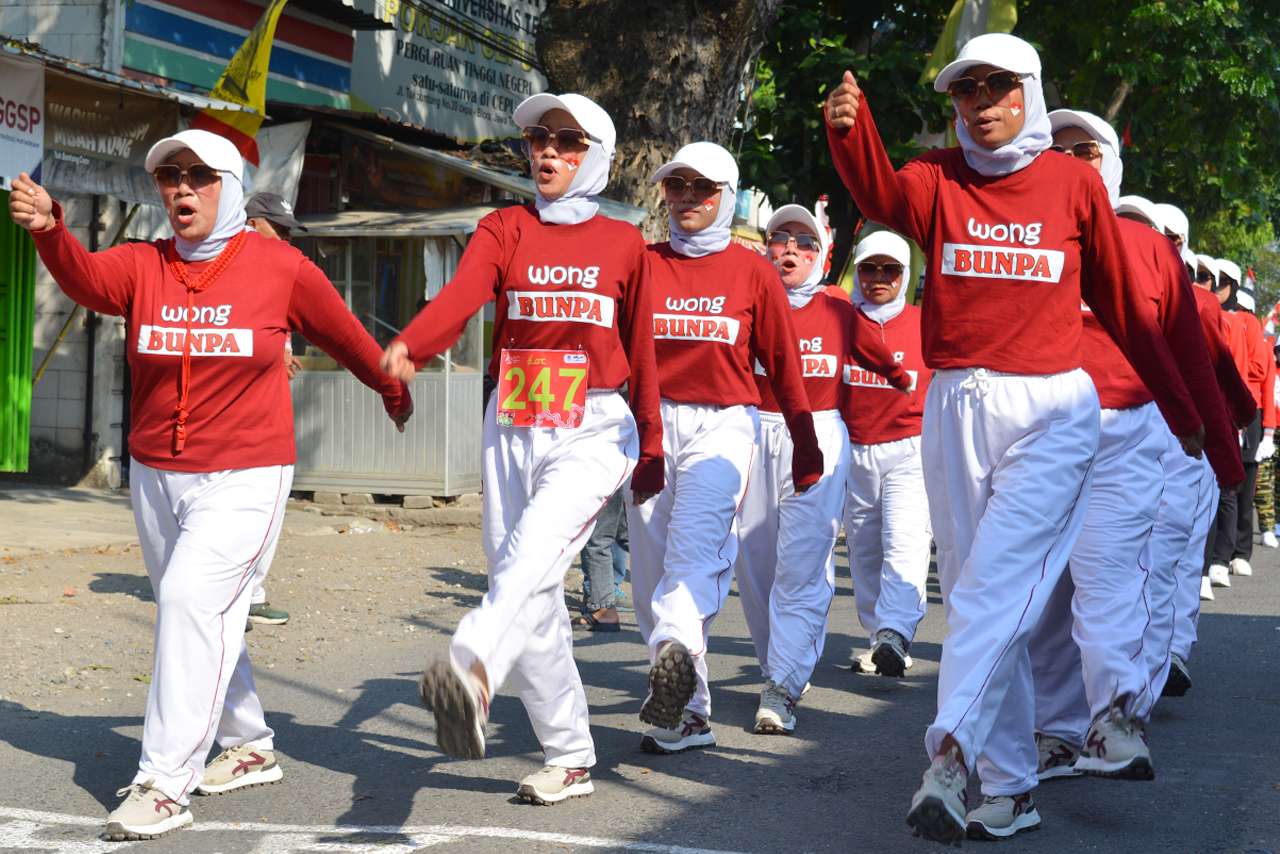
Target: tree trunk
{"x": 668, "y": 72}
{"x": 1117, "y": 101}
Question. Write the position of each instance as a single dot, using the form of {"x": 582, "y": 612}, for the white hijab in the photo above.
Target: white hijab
{"x": 882, "y": 243}
{"x": 816, "y": 220}
{"x": 230, "y": 222}
{"x": 714, "y": 238}
{"x": 1018, "y": 153}
{"x": 578, "y": 204}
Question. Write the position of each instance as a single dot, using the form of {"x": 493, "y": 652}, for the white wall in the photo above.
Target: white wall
{"x": 74, "y": 29}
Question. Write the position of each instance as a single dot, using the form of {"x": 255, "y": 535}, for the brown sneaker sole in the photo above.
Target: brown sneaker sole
{"x": 932, "y": 820}
{"x": 457, "y": 730}
{"x": 672, "y": 682}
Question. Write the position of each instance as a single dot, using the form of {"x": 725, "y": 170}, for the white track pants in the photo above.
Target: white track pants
{"x": 683, "y": 543}
{"x": 1007, "y": 467}
{"x": 1186, "y": 598}
{"x": 543, "y": 489}
{"x": 1189, "y": 491}
{"x": 886, "y": 523}
{"x": 203, "y": 537}
{"x": 786, "y": 566}
{"x": 1105, "y": 615}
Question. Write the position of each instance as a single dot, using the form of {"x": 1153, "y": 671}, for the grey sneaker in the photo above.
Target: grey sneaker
{"x": 238, "y": 768}
{"x": 693, "y": 732}
{"x": 263, "y": 613}
{"x": 553, "y": 784}
{"x": 672, "y": 681}
{"x": 1116, "y": 746}
{"x": 1003, "y": 816}
{"x": 889, "y": 653}
{"x": 145, "y": 813}
{"x": 938, "y": 807}
{"x": 777, "y": 712}
{"x": 461, "y": 706}
{"x": 1057, "y": 758}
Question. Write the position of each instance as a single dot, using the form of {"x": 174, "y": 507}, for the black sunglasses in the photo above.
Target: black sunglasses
{"x": 674, "y": 185}
{"x": 1086, "y": 150}
{"x": 997, "y": 83}
{"x": 868, "y": 270}
{"x": 807, "y": 242}
{"x": 197, "y": 176}
{"x": 537, "y": 137}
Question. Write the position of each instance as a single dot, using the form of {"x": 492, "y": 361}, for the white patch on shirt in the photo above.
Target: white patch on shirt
{"x": 570, "y": 306}
{"x": 860, "y": 377}
{"x": 689, "y": 327}
{"x": 169, "y": 341}
{"x": 998, "y": 262}
{"x": 818, "y": 364}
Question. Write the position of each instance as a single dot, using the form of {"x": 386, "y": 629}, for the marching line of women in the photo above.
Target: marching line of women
{"x": 1057, "y": 419}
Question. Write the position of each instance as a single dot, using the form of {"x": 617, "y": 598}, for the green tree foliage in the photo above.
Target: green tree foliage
{"x": 1193, "y": 81}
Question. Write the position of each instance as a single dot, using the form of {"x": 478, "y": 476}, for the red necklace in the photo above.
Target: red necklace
{"x": 202, "y": 282}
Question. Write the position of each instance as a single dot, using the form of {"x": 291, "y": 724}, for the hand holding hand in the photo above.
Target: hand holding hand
{"x": 396, "y": 363}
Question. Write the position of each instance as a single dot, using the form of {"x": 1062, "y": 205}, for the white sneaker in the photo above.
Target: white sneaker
{"x": 691, "y": 733}
{"x": 890, "y": 653}
{"x": 1057, "y": 758}
{"x": 145, "y": 813}
{"x": 1219, "y": 576}
{"x": 554, "y": 784}
{"x": 1003, "y": 816}
{"x": 938, "y": 807}
{"x": 1240, "y": 566}
{"x": 460, "y": 705}
{"x": 1116, "y": 746}
{"x": 1269, "y": 540}
{"x": 238, "y": 768}
{"x": 777, "y": 712}
{"x": 863, "y": 664}
{"x": 1206, "y": 589}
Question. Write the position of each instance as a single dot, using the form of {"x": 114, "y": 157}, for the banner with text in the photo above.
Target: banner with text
{"x": 456, "y": 67}
{"x": 21, "y": 118}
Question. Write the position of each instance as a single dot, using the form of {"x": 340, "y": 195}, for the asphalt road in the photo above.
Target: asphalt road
{"x": 361, "y": 773}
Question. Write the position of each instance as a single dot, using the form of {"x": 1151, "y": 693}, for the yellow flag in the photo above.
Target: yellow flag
{"x": 969, "y": 18}
{"x": 244, "y": 82}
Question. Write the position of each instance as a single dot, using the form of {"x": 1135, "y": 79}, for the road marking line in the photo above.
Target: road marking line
{"x": 428, "y": 834}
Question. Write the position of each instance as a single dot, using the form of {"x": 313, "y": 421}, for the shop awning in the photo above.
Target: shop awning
{"x": 512, "y": 183}
{"x": 444, "y": 222}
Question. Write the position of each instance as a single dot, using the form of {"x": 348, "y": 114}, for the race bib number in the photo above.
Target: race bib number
{"x": 542, "y": 388}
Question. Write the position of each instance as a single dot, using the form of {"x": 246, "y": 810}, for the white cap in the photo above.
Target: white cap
{"x": 707, "y": 159}
{"x": 883, "y": 243}
{"x": 1211, "y": 264}
{"x": 1096, "y": 125}
{"x": 1245, "y": 299}
{"x": 213, "y": 150}
{"x": 1173, "y": 219}
{"x": 999, "y": 49}
{"x": 794, "y": 213}
{"x": 1230, "y": 269}
{"x": 586, "y": 112}
{"x": 1140, "y": 206}
{"x": 1188, "y": 257}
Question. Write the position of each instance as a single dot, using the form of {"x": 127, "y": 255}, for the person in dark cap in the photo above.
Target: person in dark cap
{"x": 271, "y": 215}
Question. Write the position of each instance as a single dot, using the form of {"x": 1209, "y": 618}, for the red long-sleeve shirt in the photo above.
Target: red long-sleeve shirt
{"x": 1158, "y": 275}
{"x": 832, "y": 337}
{"x": 1256, "y": 354}
{"x": 1269, "y": 386}
{"x": 241, "y": 413}
{"x": 558, "y": 287}
{"x": 714, "y": 317}
{"x": 1217, "y": 335}
{"x": 875, "y": 413}
{"x": 1009, "y": 259}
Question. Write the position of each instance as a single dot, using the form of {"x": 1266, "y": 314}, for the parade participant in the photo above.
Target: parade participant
{"x": 1174, "y": 223}
{"x": 1011, "y": 421}
{"x": 1232, "y": 546}
{"x": 572, "y": 326}
{"x": 786, "y": 566}
{"x": 886, "y": 518}
{"x": 212, "y": 449}
{"x": 272, "y": 217}
{"x": 718, "y": 309}
{"x": 1264, "y": 492}
{"x": 1106, "y": 690}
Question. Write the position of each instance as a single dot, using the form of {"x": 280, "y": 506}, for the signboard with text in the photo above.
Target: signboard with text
{"x": 21, "y": 118}
{"x": 456, "y": 67}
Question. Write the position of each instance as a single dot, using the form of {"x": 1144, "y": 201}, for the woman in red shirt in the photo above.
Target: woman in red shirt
{"x": 1013, "y": 240}
{"x": 718, "y": 309}
{"x": 572, "y": 327}
{"x": 785, "y": 566}
{"x": 886, "y": 519}
{"x": 212, "y": 449}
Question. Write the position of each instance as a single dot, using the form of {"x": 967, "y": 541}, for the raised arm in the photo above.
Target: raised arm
{"x": 1129, "y": 317}
{"x": 316, "y": 310}
{"x": 635, "y": 328}
{"x": 869, "y": 350}
{"x": 773, "y": 342}
{"x": 901, "y": 200}
{"x": 100, "y": 281}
